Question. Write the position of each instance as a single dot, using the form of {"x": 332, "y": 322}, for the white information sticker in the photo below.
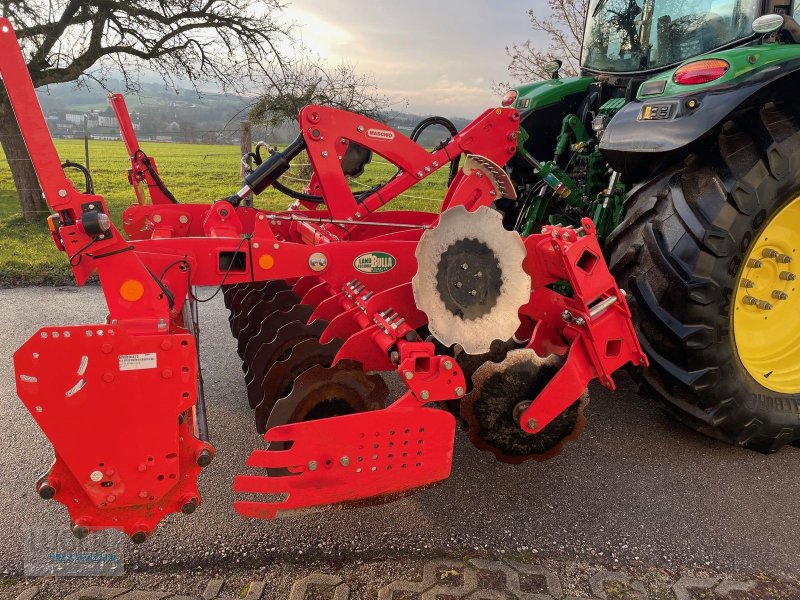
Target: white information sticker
{"x": 137, "y": 362}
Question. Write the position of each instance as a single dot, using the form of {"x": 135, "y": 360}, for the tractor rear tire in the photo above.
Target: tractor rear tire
{"x": 684, "y": 253}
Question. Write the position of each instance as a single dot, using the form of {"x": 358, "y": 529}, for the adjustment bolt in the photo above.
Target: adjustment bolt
{"x": 778, "y": 295}
{"x": 761, "y": 304}
{"x": 312, "y": 465}
{"x": 769, "y": 253}
{"x": 345, "y": 461}
{"x": 748, "y": 283}
{"x": 424, "y": 394}
{"x": 754, "y": 263}
{"x": 448, "y": 365}
{"x": 787, "y": 276}
{"x": 459, "y": 391}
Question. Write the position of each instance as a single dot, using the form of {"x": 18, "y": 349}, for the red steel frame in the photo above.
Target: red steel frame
{"x": 135, "y": 379}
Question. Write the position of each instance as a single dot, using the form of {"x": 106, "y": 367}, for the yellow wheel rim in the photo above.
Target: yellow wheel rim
{"x": 766, "y": 314}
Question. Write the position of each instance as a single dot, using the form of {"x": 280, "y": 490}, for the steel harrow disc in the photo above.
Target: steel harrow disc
{"x": 270, "y": 325}
{"x": 501, "y": 392}
{"x": 276, "y": 349}
{"x": 241, "y": 291}
{"x": 254, "y": 320}
{"x": 323, "y": 392}
{"x": 280, "y": 378}
{"x": 239, "y": 317}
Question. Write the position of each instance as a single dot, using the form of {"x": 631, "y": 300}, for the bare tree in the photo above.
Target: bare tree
{"x": 308, "y": 82}
{"x": 563, "y": 29}
{"x": 69, "y": 40}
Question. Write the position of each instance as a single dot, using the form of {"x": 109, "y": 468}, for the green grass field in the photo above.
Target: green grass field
{"x": 195, "y": 173}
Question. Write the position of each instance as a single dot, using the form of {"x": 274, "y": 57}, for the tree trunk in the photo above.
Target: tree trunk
{"x": 31, "y": 201}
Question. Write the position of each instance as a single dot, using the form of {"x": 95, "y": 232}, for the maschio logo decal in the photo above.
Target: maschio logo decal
{"x": 373, "y": 263}
{"x": 380, "y": 134}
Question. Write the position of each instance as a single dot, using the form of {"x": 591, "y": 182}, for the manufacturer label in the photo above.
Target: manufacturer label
{"x": 137, "y": 362}
{"x": 373, "y": 263}
{"x": 380, "y": 134}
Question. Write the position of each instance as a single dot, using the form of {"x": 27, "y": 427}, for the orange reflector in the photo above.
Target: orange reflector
{"x": 131, "y": 290}
{"x": 701, "y": 71}
{"x": 266, "y": 261}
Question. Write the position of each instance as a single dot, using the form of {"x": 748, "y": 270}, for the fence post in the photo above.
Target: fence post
{"x": 245, "y": 146}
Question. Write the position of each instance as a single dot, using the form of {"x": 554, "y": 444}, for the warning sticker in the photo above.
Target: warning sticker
{"x": 137, "y": 362}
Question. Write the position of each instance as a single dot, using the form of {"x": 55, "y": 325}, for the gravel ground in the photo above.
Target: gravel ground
{"x": 636, "y": 490}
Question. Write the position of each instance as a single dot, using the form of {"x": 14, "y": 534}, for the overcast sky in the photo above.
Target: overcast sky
{"x": 440, "y": 55}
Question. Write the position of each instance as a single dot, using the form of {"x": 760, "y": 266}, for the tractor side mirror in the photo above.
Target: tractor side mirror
{"x": 767, "y": 24}
{"x": 773, "y": 23}
{"x": 552, "y": 68}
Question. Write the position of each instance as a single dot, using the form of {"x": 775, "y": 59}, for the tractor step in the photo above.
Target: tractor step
{"x": 340, "y": 460}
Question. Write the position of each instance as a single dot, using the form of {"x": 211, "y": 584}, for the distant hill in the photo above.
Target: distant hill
{"x": 184, "y": 115}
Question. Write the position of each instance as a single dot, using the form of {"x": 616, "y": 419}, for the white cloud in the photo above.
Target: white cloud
{"x": 442, "y": 56}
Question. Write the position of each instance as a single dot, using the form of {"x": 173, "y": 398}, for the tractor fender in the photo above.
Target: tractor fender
{"x": 662, "y": 125}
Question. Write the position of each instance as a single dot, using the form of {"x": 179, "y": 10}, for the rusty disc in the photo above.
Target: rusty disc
{"x": 269, "y": 328}
{"x": 278, "y": 348}
{"x": 322, "y": 392}
{"x": 280, "y": 377}
{"x": 260, "y": 315}
{"x": 239, "y": 313}
{"x": 499, "y": 388}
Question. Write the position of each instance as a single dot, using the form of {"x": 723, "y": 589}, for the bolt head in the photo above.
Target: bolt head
{"x": 139, "y": 537}
{"x": 312, "y": 465}
{"x": 408, "y": 375}
{"x": 448, "y": 365}
{"x": 189, "y": 507}
{"x": 459, "y": 391}
{"x": 96, "y": 476}
{"x": 45, "y": 490}
{"x": 345, "y": 461}
{"x": 424, "y": 394}
{"x": 532, "y": 424}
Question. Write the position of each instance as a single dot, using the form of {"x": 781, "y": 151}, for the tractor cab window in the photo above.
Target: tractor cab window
{"x": 625, "y": 36}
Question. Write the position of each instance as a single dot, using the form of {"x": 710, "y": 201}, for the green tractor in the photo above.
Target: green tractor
{"x": 681, "y": 139}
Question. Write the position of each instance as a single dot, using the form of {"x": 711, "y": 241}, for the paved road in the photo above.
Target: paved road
{"x": 635, "y": 490}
